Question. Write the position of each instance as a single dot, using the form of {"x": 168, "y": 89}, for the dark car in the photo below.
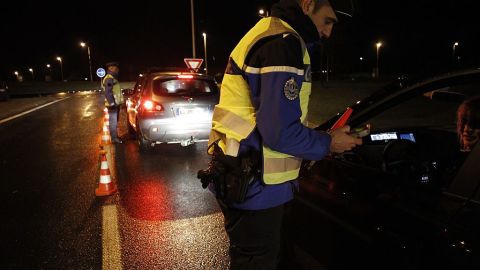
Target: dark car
{"x": 171, "y": 107}
{"x": 4, "y": 93}
{"x": 408, "y": 198}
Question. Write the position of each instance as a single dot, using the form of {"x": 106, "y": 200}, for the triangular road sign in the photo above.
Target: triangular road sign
{"x": 193, "y": 63}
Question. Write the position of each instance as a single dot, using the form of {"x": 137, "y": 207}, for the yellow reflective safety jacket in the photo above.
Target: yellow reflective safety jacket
{"x": 116, "y": 90}
{"x": 234, "y": 116}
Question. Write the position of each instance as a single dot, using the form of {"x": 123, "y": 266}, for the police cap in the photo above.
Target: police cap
{"x": 343, "y": 7}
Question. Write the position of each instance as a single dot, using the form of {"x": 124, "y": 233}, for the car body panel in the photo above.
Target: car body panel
{"x": 183, "y": 117}
{"x": 355, "y": 212}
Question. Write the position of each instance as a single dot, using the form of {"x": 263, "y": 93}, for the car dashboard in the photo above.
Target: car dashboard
{"x": 421, "y": 154}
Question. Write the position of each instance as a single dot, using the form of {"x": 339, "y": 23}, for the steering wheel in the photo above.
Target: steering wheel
{"x": 404, "y": 159}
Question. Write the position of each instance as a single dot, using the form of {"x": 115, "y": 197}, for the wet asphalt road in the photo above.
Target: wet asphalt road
{"x": 51, "y": 219}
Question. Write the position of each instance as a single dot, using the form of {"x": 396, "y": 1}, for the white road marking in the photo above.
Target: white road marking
{"x": 31, "y": 110}
{"x": 111, "y": 251}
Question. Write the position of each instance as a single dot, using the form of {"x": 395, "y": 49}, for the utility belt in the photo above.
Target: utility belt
{"x": 229, "y": 175}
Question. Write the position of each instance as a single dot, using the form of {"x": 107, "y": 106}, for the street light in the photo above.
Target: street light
{"x": 262, "y": 13}
{"x": 59, "y": 59}
{"x": 83, "y": 45}
{"x": 16, "y": 73}
{"x": 205, "y": 50}
{"x": 378, "y": 45}
{"x": 455, "y": 45}
{"x": 31, "y": 71}
{"x": 193, "y": 28}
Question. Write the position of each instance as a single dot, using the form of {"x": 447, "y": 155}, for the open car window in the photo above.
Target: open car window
{"x": 428, "y": 120}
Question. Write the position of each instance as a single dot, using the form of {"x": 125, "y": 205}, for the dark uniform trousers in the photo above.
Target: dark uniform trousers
{"x": 255, "y": 237}
{"x": 113, "y": 117}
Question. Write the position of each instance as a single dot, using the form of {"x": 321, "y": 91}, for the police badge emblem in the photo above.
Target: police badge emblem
{"x": 291, "y": 89}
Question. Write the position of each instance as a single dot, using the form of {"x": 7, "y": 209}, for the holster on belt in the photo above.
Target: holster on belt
{"x": 230, "y": 175}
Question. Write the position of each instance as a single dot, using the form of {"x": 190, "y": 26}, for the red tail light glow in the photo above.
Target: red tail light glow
{"x": 185, "y": 76}
{"x": 152, "y": 106}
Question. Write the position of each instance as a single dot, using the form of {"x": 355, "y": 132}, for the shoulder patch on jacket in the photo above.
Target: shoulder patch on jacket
{"x": 291, "y": 89}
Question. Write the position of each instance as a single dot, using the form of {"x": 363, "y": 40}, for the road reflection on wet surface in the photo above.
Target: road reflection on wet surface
{"x": 166, "y": 219}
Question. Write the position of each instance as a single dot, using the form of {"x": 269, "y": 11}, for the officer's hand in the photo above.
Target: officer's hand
{"x": 113, "y": 104}
{"x": 341, "y": 141}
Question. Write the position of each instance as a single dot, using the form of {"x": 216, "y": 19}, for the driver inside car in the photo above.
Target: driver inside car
{"x": 468, "y": 130}
{"x": 468, "y": 123}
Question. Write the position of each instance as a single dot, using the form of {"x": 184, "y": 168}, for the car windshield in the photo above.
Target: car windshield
{"x": 179, "y": 87}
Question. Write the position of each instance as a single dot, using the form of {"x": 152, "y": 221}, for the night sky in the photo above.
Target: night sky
{"x": 418, "y": 35}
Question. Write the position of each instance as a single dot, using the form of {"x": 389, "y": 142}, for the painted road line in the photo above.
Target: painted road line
{"x": 31, "y": 110}
{"x": 111, "y": 251}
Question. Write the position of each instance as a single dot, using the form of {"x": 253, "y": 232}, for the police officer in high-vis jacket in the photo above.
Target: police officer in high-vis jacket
{"x": 259, "y": 134}
{"x": 113, "y": 98}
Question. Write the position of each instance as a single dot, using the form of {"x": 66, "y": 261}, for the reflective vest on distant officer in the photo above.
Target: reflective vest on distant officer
{"x": 234, "y": 116}
{"x": 117, "y": 92}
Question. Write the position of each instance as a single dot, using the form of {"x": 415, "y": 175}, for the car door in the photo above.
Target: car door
{"x": 461, "y": 243}
{"x": 349, "y": 206}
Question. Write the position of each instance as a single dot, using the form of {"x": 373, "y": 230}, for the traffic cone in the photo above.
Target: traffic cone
{"x": 106, "y": 116}
{"x": 105, "y": 186}
{"x": 106, "y": 139}
{"x": 106, "y": 121}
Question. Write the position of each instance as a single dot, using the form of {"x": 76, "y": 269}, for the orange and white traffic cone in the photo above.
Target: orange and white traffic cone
{"x": 106, "y": 122}
{"x": 106, "y": 139}
{"x": 106, "y": 186}
{"x": 105, "y": 113}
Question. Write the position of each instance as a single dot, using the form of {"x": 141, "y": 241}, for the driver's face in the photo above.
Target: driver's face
{"x": 470, "y": 136}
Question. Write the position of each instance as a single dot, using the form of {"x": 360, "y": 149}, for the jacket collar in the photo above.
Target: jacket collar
{"x": 290, "y": 12}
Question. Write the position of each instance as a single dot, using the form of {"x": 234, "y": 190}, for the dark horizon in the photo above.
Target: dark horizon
{"x": 417, "y": 36}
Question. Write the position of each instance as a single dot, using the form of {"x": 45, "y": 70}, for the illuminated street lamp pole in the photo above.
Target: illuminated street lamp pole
{"x": 59, "y": 59}
{"x": 83, "y": 44}
{"x": 205, "y": 49}
{"x": 193, "y": 28}
{"x": 31, "y": 71}
{"x": 378, "y": 45}
{"x": 455, "y": 45}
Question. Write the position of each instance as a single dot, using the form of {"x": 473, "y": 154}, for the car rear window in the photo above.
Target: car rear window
{"x": 179, "y": 87}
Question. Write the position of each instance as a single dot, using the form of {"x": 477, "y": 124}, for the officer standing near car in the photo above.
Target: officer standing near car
{"x": 113, "y": 98}
{"x": 259, "y": 137}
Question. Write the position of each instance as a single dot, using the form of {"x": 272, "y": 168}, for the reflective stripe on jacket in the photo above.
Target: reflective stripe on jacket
{"x": 234, "y": 116}
{"x": 116, "y": 92}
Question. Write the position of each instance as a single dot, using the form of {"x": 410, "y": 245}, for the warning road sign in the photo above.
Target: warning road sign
{"x": 193, "y": 63}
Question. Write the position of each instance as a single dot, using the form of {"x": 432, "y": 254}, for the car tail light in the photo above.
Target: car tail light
{"x": 185, "y": 76}
{"x": 152, "y": 106}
